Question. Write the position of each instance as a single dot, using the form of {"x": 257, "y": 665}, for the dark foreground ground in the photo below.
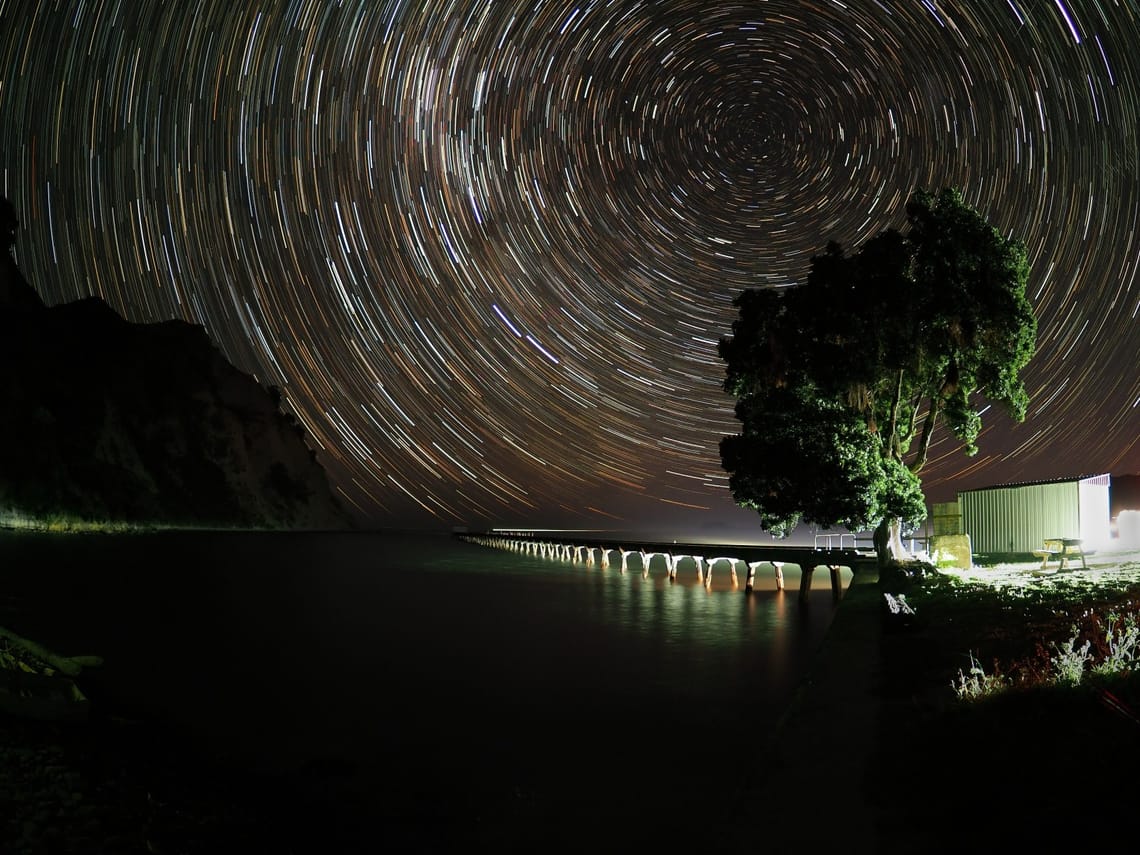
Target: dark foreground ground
{"x": 110, "y": 786}
{"x": 877, "y": 754}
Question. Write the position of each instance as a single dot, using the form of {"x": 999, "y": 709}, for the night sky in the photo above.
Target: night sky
{"x": 487, "y": 248}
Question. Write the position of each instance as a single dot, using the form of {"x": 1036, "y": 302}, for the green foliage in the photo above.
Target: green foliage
{"x": 840, "y": 380}
{"x": 802, "y": 444}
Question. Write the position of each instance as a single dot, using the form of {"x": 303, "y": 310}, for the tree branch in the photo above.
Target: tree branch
{"x": 927, "y": 433}
{"x": 892, "y": 431}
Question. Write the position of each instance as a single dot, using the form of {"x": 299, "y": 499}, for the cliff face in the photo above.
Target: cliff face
{"x": 106, "y": 420}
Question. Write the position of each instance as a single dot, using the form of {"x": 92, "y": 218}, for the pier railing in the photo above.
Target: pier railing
{"x": 863, "y": 542}
{"x": 846, "y": 540}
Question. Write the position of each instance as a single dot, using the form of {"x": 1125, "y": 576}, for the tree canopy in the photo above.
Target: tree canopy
{"x": 841, "y": 380}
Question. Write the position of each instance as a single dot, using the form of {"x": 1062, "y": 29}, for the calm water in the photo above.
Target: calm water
{"x": 472, "y": 684}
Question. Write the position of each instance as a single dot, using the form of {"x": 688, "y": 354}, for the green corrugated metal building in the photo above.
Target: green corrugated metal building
{"x": 1019, "y": 517}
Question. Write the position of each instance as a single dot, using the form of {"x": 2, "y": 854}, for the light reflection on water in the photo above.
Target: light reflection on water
{"x": 682, "y": 608}
{"x": 709, "y": 635}
{"x": 377, "y": 647}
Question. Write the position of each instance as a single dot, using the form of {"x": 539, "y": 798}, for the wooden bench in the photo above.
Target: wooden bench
{"x": 1063, "y": 549}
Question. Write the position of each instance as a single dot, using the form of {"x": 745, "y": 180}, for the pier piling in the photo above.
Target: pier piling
{"x": 752, "y": 557}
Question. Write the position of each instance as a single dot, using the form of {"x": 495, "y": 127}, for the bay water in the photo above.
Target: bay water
{"x": 465, "y": 690}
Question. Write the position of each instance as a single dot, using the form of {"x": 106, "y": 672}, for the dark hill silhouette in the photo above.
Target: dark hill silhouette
{"x": 16, "y": 295}
{"x": 105, "y": 420}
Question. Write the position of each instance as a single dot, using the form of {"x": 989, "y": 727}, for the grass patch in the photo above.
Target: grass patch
{"x": 1013, "y": 692}
{"x": 1024, "y": 623}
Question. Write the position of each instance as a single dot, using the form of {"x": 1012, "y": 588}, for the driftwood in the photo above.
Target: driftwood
{"x": 69, "y": 665}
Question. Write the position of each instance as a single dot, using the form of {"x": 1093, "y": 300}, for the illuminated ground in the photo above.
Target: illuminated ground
{"x": 1012, "y": 615}
{"x": 1104, "y": 570}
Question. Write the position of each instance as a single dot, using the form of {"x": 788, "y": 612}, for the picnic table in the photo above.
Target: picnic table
{"x": 1063, "y": 549}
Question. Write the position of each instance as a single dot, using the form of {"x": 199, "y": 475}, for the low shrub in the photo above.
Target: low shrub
{"x": 1110, "y": 650}
{"x": 1068, "y": 665}
{"x": 977, "y": 683}
{"x": 1121, "y": 644}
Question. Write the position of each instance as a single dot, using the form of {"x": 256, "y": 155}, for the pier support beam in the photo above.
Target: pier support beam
{"x": 571, "y": 552}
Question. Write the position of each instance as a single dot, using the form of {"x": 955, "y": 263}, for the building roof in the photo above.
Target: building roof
{"x": 1069, "y": 480}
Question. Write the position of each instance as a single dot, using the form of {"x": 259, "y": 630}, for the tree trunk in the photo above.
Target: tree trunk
{"x": 888, "y": 543}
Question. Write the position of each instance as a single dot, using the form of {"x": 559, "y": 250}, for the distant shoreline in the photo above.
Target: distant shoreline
{"x": 89, "y": 527}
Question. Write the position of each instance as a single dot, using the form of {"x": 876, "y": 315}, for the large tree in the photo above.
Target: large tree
{"x": 841, "y": 380}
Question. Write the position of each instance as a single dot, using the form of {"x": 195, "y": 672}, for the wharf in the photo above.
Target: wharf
{"x": 704, "y": 556}
{"x": 812, "y": 785}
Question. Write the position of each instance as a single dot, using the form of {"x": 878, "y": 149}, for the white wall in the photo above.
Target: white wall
{"x": 1096, "y": 514}
{"x": 1128, "y": 529}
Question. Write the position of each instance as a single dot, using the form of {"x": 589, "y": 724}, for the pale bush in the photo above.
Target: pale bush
{"x": 1069, "y": 663}
{"x": 977, "y": 683}
{"x": 1122, "y": 638}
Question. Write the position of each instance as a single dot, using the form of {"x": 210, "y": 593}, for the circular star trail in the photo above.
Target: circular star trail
{"x": 486, "y": 249}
